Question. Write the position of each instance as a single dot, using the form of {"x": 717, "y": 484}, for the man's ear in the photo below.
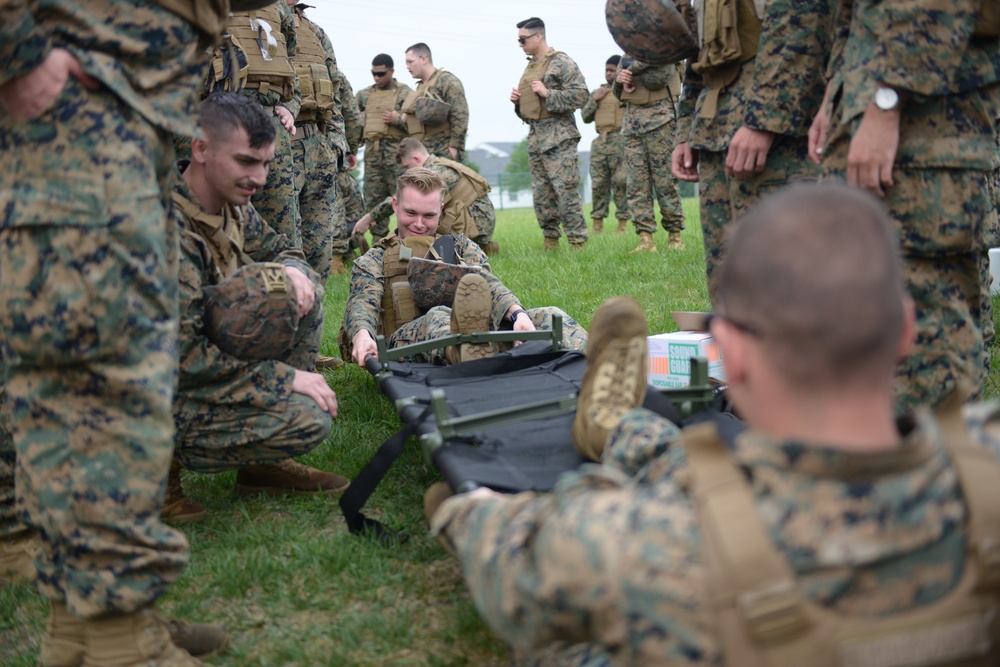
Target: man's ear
{"x": 733, "y": 345}
{"x": 199, "y": 151}
{"x": 395, "y": 204}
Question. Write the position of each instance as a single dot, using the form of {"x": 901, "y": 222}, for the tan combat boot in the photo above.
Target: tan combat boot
{"x": 614, "y": 380}
{"x": 63, "y": 640}
{"x": 328, "y": 363}
{"x": 17, "y": 558}
{"x": 289, "y": 478}
{"x": 337, "y": 266}
{"x": 178, "y": 508}
{"x": 202, "y": 640}
{"x": 674, "y": 242}
{"x": 470, "y": 313}
{"x": 578, "y": 247}
{"x": 551, "y": 242}
{"x": 490, "y": 248}
{"x": 131, "y": 640}
{"x": 598, "y": 225}
{"x": 622, "y": 227}
{"x": 645, "y": 243}
{"x": 436, "y": 494}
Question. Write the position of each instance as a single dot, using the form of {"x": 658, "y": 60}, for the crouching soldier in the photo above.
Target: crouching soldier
{"x": 380, "y": 301}
{"x": 248, "y": 395}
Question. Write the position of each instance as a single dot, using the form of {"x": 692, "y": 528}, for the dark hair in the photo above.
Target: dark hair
{"x": 534, "y": 23}
{"x": 614, "y": 60}
{"x": 420, "y": 49}
{"x": 222, "y": 112}
{"x": 382, "y": 60}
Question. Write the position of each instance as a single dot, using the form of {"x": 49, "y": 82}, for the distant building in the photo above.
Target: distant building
{"x": 493, "y": 157}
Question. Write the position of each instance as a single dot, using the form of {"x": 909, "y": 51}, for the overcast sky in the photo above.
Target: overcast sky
{"x": 475, "y": 40}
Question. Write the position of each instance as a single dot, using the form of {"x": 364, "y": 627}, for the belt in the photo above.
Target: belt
{"x": 608, "y": 133}
{"x": 305, "y": 130}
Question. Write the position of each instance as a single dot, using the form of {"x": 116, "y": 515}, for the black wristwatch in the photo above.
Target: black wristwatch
{"x": 513, "y": 316}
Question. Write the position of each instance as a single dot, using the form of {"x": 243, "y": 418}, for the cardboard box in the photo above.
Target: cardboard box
{"x": 670, "y": 357}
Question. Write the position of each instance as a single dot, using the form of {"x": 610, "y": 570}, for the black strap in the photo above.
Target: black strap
{"x": 366, "y": 481}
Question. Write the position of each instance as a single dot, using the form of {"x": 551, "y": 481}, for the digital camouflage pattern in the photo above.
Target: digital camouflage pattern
{"x": 607, "y": 168}
{"x": 92, "y": 365}
{"x": 607, "y": 569}
{"x": 11, "y": 527}
{"x": 364, "y": 305}
{"x": 231, "y": 412}
{"x": 433, "y": 282}
{"x": 941, "y": 202}
{"x": 350, "y": 195}
{"x": 347, "y": 143}
{"x": 780, "y": 91}
{"x": 649, "y": 144}
{"x": 381, "y": 168}
{"x": 314, "y": 161}
{"x": 653, "y": 31}
{"x": 552, "y": 155}
{"x": 254, "y": 313}
{"x": 277, "y": 202}
{"x": 449, "y": 89}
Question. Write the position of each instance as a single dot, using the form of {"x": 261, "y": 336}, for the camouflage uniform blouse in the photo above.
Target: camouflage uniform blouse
{"x": 364, "y": 303}
{"x": 567, "y": 93}
{"x": 207, "y": 373}
{"x": 612, "y": 556}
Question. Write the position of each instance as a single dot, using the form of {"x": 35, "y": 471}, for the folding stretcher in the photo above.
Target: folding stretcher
{"x": 502, "y": 422}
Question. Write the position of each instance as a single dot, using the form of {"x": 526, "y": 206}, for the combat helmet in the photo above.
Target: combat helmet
{"x": 653, "y": 31}
{"x": 431, "y": 111}
{"x": 253, "y": 314}
{"x": 433, "y": 282}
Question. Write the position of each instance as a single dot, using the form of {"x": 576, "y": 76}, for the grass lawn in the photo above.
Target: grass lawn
{"x": 284, "y": 575}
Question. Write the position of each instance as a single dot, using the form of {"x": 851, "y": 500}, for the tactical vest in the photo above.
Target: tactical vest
{"x": 456, "y": 218}
{"x": 532, "y": 106}
{"x": 643, "y": 96}
{"x": 728, "y": 34}
{"x": 609, "y": 115}
{"x": 207, "y": 15}
{"x": 315, "y": 84}
{"x": 397, "y": 299}
{"x": 223, "y": 234}
{"x": 258, "y": 34}
{"x": 765, "y": 621}
{"x": 378, "y": 102}
{"x": 414, "y": 126}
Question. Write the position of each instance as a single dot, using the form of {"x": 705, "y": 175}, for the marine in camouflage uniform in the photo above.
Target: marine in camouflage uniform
{"x": 85, "y": 185}
{"x": 648, "y": 128}
{"x": 553, "y": 137}
{"x": 347, "y": 126}
{"x": 941, "y": 196}
{"x": 445, "y": 139}
{"x": 365, "y": 310}
{"x": 777, "y": 92}
{"x": 613, "y": 566}
{"x": 476, "y": 220}
{"x": 607, "y": 152}
{"x": 17, "y": 542}
{"x": 277, "y": 202}
{"x": 381, "y": 138}
{"x": 312, "y": 148}
{"x": 241, "y": 411}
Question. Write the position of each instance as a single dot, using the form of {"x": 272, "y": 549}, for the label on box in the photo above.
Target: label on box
{"x": 670, "y": 357}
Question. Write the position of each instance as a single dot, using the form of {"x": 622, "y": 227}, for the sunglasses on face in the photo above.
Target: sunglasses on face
{"x": 379, "y": 75}
{"x": 522, "y": 40}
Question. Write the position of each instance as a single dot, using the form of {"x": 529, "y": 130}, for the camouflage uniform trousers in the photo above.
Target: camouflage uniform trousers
{"x": 555, "y": 187}
{"x": 10, "y": 526}
{"x": 88, "y": 306}
{"x": 942, "y": 217}
{"x": 725, "y": 199}
{"x": 381, "y": 172}
{"x": 647, "y": 165}
{"x": 436, "y": 323}
{"x": 254, "y": 427}
{"x": 607, "y": 176}
{"x": 315, "y": 175}
{"x": 350, "y": 193}
{"x": 277, "y": 202}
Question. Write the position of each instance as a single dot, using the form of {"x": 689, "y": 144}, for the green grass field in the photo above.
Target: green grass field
{"x": 284, "y": 575}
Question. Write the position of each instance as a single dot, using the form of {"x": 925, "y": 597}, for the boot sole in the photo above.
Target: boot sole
{"x": 471, "y": 310}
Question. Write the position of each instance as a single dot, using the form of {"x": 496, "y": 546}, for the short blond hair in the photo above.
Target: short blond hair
{"x": 420, "y": 179}
{"x": 409, "y": 147}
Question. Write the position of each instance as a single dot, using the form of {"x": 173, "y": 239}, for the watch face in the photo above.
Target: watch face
{"x": 886, "y": 99}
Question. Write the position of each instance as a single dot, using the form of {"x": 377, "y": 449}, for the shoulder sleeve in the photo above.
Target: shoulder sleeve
{"x": 23, "y": 43}
{"x": 566, "y": 85}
